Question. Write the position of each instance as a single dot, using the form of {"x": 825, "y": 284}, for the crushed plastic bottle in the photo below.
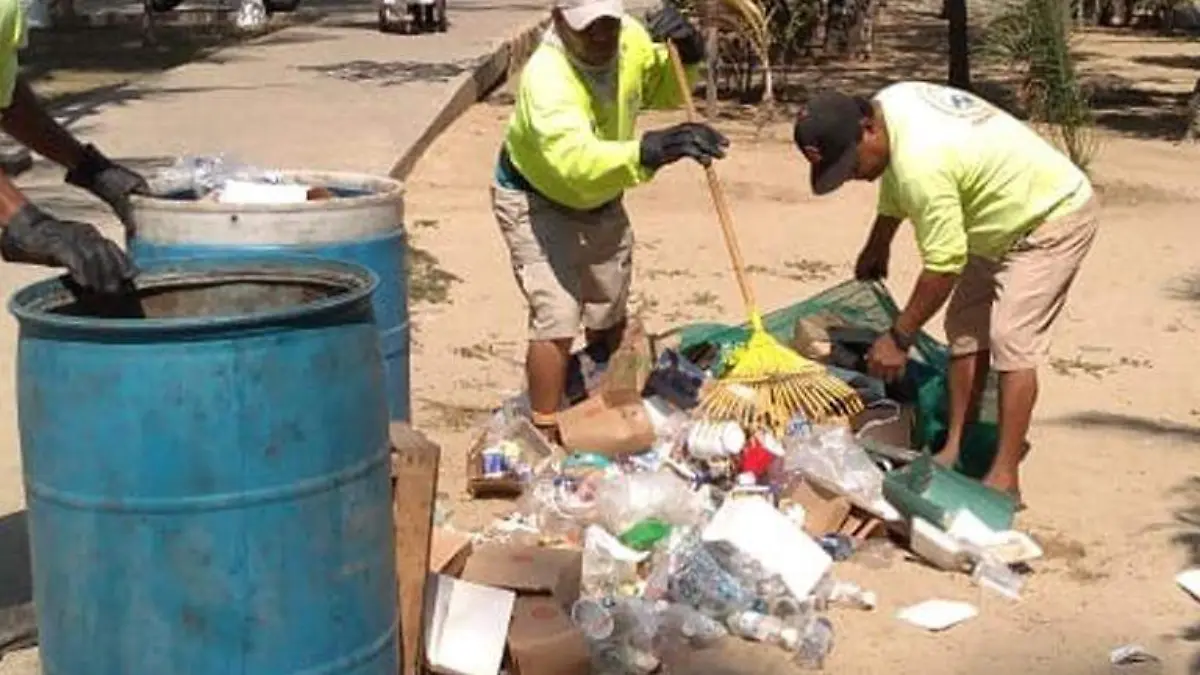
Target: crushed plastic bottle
{"x": 699, "y": 580}
{"x": 815, "y": 644}
{"x": 833, "y": 592}
{"x": 696, "y": 629}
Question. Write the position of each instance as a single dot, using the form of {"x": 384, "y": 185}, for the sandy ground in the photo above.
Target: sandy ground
{"x": 1113, "y": 478}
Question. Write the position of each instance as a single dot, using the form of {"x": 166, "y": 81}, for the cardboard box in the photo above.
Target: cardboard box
{"x": 825, "y": 510}
{"x": 613, "y": 431}
{"x": 534, "y": 451}
{"x": 629, "y": 367}
{"x": 542, "y": 640}
{"x": 528, "y": 570}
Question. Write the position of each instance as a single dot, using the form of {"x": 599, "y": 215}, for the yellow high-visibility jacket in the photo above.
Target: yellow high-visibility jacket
{"x": 578, "y": 151}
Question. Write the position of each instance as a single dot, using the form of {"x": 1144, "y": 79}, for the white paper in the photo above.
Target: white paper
{"x": 1190, "y": 582}
{"x": 760, "y": 531}
{"x": 466, "y": 626}
{"x": 246, "y": 192}
{"x": 936, "y": 615}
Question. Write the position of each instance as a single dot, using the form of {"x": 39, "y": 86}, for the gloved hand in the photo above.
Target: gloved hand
{"x": 668, "y": 24}
{"x": 698, "y": 141}
{"x": 111, "y": 182}
{"x": 35, "y": 237}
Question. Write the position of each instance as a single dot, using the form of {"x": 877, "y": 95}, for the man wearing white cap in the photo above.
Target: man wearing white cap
{"x": 569, "y": 154}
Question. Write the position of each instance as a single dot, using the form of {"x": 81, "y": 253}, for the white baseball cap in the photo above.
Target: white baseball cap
{"x": 581, "y": 13}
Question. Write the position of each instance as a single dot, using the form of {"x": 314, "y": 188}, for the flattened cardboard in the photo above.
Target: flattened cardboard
{"x": 448, "y": 552}
{"x": 529, "y": 570}
{"x": 595, "y": 426}
{"x": 542, "y": 640}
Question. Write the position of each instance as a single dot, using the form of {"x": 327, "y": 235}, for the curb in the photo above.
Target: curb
{"x": 469, "y": 88}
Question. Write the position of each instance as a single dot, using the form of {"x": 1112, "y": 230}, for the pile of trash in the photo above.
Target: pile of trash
{"x": 225, "y": 180}
{"x": 686, "y": 531}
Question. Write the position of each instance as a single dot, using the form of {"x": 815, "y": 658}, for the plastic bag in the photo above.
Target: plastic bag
{"x": 831, "y": 455}
{"x": 625, "y": 500}
{"x": 202, "y": 175}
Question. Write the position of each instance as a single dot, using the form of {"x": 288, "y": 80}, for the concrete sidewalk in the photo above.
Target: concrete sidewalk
{"x": 337, "y": 95}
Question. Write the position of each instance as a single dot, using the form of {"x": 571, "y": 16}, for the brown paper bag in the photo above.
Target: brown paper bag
{"x": 595, "y": 426}
{"x": 629, "y": 367}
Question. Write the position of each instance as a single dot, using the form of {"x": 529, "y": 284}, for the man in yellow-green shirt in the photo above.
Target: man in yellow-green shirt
{"x": 29, "y": 234}
{"x": 569, "y": 154}
{"x": 1002, "y": 221}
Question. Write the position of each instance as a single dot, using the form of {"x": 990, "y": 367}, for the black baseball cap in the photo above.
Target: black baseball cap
{"x": 831, "y": 123}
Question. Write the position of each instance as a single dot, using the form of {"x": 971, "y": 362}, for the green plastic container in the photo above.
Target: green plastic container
{"x": 926, "y": 489}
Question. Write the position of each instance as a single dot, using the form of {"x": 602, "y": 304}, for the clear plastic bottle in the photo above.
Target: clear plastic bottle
{"x": 830, "y": 591}
{"x": 814, "y": 644}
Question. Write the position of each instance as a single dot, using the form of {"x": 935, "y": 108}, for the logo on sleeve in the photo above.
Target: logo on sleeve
{"x": 956, "y": 103}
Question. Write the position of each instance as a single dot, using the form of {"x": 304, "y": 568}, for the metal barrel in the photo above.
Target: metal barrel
{"x": 206, "y": 467}
{"x": 362, "y": 223}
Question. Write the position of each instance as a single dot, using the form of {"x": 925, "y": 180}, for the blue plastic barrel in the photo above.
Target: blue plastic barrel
{"x": 362, "y": 224}
{"x": 207, "y": 473}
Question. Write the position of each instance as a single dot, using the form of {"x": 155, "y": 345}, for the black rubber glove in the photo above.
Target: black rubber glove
{"x": 35, "y": 237}
{"x": 698, "y": 141}
{"x": 109, "y": 181}
{"x": 668, "y": 24}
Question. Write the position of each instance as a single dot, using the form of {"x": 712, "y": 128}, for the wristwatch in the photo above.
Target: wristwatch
{"x": 904, "y": 342}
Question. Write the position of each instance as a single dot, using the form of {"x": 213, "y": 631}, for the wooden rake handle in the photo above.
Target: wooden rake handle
{"x": 717, "y": 192}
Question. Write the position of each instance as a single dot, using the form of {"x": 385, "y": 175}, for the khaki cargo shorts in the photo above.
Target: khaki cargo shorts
{"x": 1009, "y": 306}
{"x": 572, "y": 266}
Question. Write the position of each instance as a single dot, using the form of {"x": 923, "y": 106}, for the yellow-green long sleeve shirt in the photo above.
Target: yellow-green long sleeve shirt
{"x": 578, "y": 149}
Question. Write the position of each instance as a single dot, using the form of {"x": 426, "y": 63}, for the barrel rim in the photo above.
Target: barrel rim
{"x": 28, "y": 304}
{"x": 394, "y": 191}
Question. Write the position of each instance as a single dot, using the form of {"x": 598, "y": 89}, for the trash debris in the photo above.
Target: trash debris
{"x": 1130, "y": 655}
{"x": 224, "y": 180}
{"x": 653, "y": 531}
{"x": 937, "y": 615}
{"x": 1190, "y": 582}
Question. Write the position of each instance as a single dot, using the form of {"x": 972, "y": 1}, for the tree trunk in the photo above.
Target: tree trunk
{"x": 960, "y": 52}
{"x": 710, "y": 72}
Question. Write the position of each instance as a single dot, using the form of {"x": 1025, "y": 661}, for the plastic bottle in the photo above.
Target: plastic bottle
{"x": 833, "y": 592}
{"x": 756, "y": 626}
{"x": 815, "y": 644}
{"x": 698, "y": 630}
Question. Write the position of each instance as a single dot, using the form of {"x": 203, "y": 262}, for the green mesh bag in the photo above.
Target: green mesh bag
{"x": 869, "y": 305}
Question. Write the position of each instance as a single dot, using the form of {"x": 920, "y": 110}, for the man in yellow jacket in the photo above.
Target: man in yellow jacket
{"x": 569, "y": 154}
{"x": 1002, "y": 219}
{"x": 29, "y": 234}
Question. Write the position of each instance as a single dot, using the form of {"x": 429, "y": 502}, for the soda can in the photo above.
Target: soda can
{"x": 495, "y": 464}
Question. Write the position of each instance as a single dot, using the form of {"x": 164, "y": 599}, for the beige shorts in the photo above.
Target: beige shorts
{"x": 574, "y": 267}
{"x": 1009, "y": 306}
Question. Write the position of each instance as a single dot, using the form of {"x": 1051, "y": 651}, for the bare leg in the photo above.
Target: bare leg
{"x": 1018, "y": 394}
{"x": 546, "y": 370}
{"x": 968, "y": 374}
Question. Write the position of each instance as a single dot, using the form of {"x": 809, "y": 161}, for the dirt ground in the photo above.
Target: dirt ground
{"x": 1113, "y": 483}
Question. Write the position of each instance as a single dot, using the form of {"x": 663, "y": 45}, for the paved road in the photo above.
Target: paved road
{"x": 338, "y": 95}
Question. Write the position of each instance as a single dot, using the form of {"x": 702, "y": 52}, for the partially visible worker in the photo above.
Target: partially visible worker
{"x": 31, "y": 235}
{"x": 569, "y": 154}
{"x": 1002, "y": 219}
